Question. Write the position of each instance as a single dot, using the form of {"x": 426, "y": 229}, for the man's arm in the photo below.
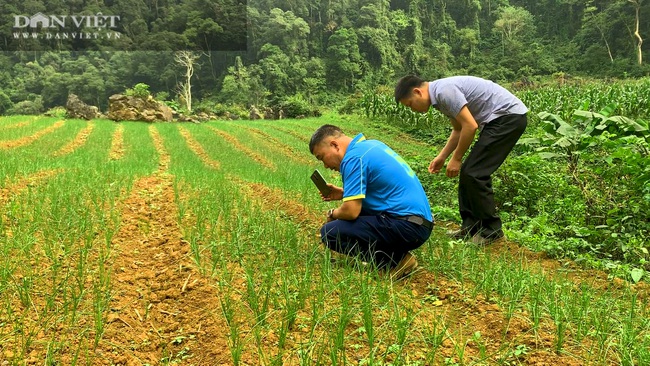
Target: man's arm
{"x": 452, "y": 141}
{"x": 349, "y": 210}
{"x": 468, "y": 127}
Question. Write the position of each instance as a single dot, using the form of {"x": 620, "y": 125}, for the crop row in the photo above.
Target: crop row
{"x": 197, "y": 244}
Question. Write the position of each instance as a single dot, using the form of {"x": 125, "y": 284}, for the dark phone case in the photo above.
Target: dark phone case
{"x": 320, "y": 183}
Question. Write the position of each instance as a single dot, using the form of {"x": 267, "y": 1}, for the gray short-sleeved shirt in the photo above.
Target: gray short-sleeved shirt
{"x": 485, "y": 99}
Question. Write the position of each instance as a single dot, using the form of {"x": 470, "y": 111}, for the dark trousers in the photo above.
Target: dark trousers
{"x": 475, "y": 194}
{"x": 378, "y": 238}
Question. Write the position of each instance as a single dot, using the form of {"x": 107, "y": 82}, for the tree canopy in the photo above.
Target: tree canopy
{"x": 264, "y": 51}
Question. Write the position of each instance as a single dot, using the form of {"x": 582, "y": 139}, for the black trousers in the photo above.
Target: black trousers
{"x": 475, "y": 194}
{"x": 376, "y": 238}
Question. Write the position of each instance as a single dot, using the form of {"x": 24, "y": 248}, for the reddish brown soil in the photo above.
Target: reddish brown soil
{"x": 162, "y": 308}
{"x": 117, "y": 144}
{"x": 77, "y": 142}
{"x": 197, "y": 148}
{"x": 11, "y": 189}
{"x": 239, "y": 146}
{"x": 30, "y": 139}
{"x": 276, "y": 144}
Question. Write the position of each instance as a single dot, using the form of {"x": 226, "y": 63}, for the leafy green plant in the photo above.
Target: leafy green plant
{"x": 58, "y": 112}
{"x": 5, "y": 102}
{"x": 140, "y": 90}
{"x": 297, "y": 106}
{"x": 569, "y": 140}
{"x": 597, "y": 149}
{"x": 29, "y": 107}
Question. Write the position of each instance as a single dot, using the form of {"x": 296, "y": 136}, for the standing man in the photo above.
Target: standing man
{"x": 385, "y": 212}
{"x": 471, "y": 103}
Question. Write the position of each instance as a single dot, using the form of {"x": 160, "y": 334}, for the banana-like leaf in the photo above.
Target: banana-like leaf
{"x": 564, "y": 142}
{"x": 566, "y": 129}
{"x": 529, "y": 141}
{"x": 628, "y": 124}
{"x": 549, "y": 155}
{"x": 609, "y": 109}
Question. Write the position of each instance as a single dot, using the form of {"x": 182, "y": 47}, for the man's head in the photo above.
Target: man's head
{"x": 328, "y": 144}
{"x": 413, "y": 92}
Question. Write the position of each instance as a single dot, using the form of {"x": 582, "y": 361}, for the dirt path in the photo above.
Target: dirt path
{"x": 77, "y": 142}
{"x": 117, "y": 144}
{"x": 162, "y": 309}
{"x": 197, "y": 148}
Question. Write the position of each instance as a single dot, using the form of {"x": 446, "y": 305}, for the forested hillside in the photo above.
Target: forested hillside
{"x": 318, "y": 51}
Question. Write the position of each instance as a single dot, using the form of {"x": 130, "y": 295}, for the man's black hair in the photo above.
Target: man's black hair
{"x": 405, "y": 86}
{"x": 321, "y": 133}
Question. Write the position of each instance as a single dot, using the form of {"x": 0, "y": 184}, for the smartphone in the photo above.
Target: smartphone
{"x": 320, "y": 183}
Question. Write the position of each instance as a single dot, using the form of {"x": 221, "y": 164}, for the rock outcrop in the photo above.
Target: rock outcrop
{"x": 75, "y": 108}
{"x": 254, "y": 113}
{"x": 125, "y": 108}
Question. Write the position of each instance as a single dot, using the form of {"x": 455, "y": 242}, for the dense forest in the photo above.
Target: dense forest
{"x": 317, "y": 51}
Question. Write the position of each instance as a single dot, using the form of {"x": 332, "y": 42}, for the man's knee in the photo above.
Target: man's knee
{"x": 326, "y": 233}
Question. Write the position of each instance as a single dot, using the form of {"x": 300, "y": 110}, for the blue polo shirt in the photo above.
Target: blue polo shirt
{"x": 373, "y": 172}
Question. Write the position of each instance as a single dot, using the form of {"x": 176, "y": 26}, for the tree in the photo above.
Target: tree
{"x": 5, "y": 102}
{"x": 343, "y": 58}
{"x": 274, "y": 64}
{"x": 637, "y": 35}
{"x": 287, "y": 31}
{"x": 597, "y": 20}
{"x": 236, "y": 84}
{"x": 513, "y": 22}
{"x": 186, "y": 59}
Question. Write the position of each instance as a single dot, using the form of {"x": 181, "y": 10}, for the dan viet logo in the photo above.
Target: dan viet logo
{"x": 41, "y": 26}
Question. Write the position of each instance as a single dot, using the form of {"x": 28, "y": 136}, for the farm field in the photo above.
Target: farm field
{"x": 197, "y": 244}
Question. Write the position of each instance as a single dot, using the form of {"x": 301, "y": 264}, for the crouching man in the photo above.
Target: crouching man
{"x": 385, "y": 213}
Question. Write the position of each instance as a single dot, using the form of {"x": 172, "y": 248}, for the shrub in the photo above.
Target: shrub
{"x": 140, "y": 90}
{"x": 5, "y": 103}
{"x": 351, "y": 104}
{"x": 230, "y": 111}
{"x": 58, "y": 112}
{"x": 162, "y": 96}
{"x": 28, "y": 107}
{"x": 296, "y": 106}
{"x": 174, "y": 105}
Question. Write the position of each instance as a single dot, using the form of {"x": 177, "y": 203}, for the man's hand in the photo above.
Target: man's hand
{"x": 336, "y": 193}
{"x": 453, "y": 167}
{"x": 436, "y": 164}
